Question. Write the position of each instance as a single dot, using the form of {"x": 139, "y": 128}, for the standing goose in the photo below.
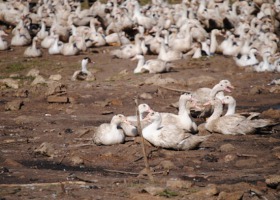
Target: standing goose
{"x": 4, "y": 45}
{"x": 183, "y": 120}
{"x": 152, "y": 66}
{"x": 108, "y": 133}
{"x": 169, "y": 136}
{"x": 233, "y": 124}
{"x": 83, "y": 74}
{"x": 33, "y": 51}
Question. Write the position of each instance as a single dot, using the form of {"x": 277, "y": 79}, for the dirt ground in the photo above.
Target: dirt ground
{"x": 45, "y": 153}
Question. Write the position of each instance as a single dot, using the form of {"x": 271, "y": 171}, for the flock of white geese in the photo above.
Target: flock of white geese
{"x": 179, "y": 131}
{"x": 245, "y": 31}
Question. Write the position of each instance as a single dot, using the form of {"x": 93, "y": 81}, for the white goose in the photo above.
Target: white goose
{"x": 70, "y": 48}
{"x": 83, "y": 74}
{"x": 4, "y": 45}
{"x": 231, "y": 103}
{"x": 56, "y": 47}
{"x": 249, "y": 59}
{"x": 233, "y": 124}
{"x": 265, "y": 65}
{"x": 129, "y": 50}
{"x": 183, "y": 120}
{"x": 49, "y": 40}
{"x": 169, "y": 136}
{"x": 167, "y": 54}
{"x": 42, "y": 33}
{"x": 33, "y": 51}
{"x": 20, "y": 38}
{"x": 152, "y": 65}
{"x": 131, "y": 129}
{"x": 108, "y": 133}
{"x": 203, "y": 95}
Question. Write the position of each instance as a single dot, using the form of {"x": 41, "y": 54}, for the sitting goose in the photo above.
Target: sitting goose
{"x": 233, "y": 124}
{"x": 56, "y": 47}
{"x": 83, "y": 74}
{"x": 3, "y": 43}
{"x": 231, "y": 103}
{"x": 249, "y": 59}
{"x": 131, "y": 129}
{"x": 203, "y": 95}
{"x": 183, "y": 119}
{"x": 169, "y": 136}
{"x": 152, "y": 66}
{"x": 108, "y": 133}
{"x": 33, "y": 51}
{"x": 20, "y": 38}
{"x": 70, "y": 48}
{"x": 129, "y": 50}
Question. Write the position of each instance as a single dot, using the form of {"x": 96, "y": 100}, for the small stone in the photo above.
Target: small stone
{"x": 38, "y": 80}
{"x": 45, "y": 149}
{"x": 177, "y": 183}
{"x": 33, "y": 73}
{"x": 166, "y": 164}
{"x": 229, "y": 158}
{"x": 11, "y": 83}
{"x": 231, "y": 195}
{"x": 58, "y": 99}
{"x": 116, "y": 102}
{"x": 55, "y": 77}
{"x": 55, "y": 87}
{"x": 275, "y": 89}
{"x": 14, "y": 105}
{"x": 76, "y": 160}
{"x": 227, "y": 148}
{"x": 273, "y": 181}
{"x": 146, "y": 96}
{"x": 153, "y": 190}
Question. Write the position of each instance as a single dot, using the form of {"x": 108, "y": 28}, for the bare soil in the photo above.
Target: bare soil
{"x": 68, "y": 166}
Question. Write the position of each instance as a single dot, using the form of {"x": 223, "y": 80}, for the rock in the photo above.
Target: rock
{"x": 246, "y": 163}
{"x": 146, "y": 96}
{"x": 55, "y": 77}
{"x": 46, "y": 149}
{"x": 230, "y": 196}
{"x": 14, "y": 105}
{"x": 205, "y": 193}
{"x": 275, "y": 89}
{"x": 166, "y": 164}
{"x": 76, "y": 160}
{"x": 11, "y": 83}
{"x": 227, "y": 148}
{"x": 38, "y": 80}
{"x": 271, "y": 113}
{"x": 205, "y": 80}
{"x": 116, "y": 102}
{"x": 257, "y": 90}
{"x": 177, "y": 183}
{"x": 22, "y": 93}
{"x": 229, "y": 158}
{"x": 153, "y": 190}
{"x": 273, "y": 181}
{"x": 58, "y": 99}
{"x": 33, "y": 73}
{"x": 14, "y": 75}
{"x": 11, "y": 163}
{"x": 55, "y": 87}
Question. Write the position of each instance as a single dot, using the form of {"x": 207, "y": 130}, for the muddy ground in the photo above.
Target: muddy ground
{"x": 46, "y": 154}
